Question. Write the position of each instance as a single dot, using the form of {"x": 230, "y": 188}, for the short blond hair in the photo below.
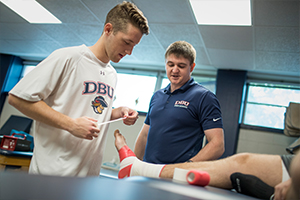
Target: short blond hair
{"x": 125, "y": 13}
{"x": 182, "y": 48}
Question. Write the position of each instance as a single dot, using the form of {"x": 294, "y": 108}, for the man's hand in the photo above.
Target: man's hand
{"x": 129, "y": 114}
{"x": 85, "y": 127}
{"x": 281, "y": 190}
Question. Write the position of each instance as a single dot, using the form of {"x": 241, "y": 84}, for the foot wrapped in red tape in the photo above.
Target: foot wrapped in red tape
{"x": 131, "y": 166}
{"x": 125, "y": 152}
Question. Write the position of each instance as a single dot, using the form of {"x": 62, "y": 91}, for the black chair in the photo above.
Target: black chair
{"x": 16, "y": 122}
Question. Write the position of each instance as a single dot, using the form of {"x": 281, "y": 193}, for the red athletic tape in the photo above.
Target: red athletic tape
{"x": 125, "y": 152}
{"x": 196, "y": 177}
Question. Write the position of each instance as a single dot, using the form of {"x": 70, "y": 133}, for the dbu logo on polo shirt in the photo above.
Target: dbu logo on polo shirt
{"x": 182, "y": 104}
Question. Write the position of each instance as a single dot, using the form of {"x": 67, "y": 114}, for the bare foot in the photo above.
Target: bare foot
{"x": 120, "y": 140}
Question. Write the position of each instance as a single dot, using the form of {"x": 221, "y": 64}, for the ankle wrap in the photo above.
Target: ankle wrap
{"x": 125, "y": 152}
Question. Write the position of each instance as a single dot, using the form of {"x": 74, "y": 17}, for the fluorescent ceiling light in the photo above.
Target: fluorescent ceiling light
{"x": 31, "y": 11}
{"x": 222, "y": 12}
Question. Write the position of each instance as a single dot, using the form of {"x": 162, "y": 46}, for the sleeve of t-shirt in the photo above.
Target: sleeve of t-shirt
{"x": 210, "y": 112}
{"x": 42, "y": 80}
{"x": 147, "y": 119}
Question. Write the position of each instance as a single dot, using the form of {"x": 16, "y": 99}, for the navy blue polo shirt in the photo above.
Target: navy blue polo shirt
{"x": 177, "y": 122}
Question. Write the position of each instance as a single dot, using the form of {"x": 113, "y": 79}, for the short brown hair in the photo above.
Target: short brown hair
{"x": 182, "y": 48}
{"x": 125, "y": 13}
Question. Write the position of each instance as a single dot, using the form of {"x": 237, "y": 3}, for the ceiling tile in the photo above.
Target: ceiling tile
{"x": 150, "y": 54}
{"x": 63, "y": 34}
{"x": 201, "y": 57}
{"x": 47, "y": 46}
{"x": 169, "y": 33}
{"x": 100, "y": 8}
{"x": 6, "y": 33}
{"x": 88, "y": 33}
{"x": 27, "y": 47}
{"x": 167, "y": 11}
{"x": 29, "y": 31}
{"x": 229, "y": 59}
{"x": 7, "y": 48}
{"x": 280, "y": 39}
{"x": 276, "y": 13}
{"x": 227, "y": 37}
{"x": 70, "y": 11}
{"x": 277, "y": 61}
{"x": 9, "y": 16}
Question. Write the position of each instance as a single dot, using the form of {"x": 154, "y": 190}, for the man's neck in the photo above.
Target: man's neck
{"x": 99, "y": 51}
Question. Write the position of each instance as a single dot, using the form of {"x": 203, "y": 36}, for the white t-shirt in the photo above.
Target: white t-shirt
{"x": 74, "y": 82}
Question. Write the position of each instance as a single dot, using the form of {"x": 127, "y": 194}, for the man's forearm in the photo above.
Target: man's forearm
{"x": 215, "y": 146}
{"x": 141, "y": 141}
{"x": 82, "y": 127}
{"x": 209, "y": 152}
{"x": 139, "y": 148}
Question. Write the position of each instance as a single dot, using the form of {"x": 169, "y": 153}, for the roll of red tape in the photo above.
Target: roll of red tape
{"x": 196, "y": 177}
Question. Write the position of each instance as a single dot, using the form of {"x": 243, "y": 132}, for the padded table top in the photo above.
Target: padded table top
{"x": 24, "y": 186}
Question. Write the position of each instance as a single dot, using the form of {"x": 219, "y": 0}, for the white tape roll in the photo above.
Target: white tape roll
{"x": 180, "y": 174}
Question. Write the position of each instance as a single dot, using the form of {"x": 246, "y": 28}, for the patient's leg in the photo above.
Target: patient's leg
{"x": 266, "y": 167}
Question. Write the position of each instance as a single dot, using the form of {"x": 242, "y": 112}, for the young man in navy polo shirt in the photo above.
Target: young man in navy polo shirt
{"x": 180, "y": 115}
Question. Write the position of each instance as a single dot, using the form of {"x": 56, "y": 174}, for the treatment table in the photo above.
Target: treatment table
{"x": 20, "y": 185}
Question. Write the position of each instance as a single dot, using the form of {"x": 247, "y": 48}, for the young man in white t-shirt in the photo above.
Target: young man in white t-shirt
{"x": 71, "y": 91}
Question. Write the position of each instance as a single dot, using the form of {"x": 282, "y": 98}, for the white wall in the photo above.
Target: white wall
{"x": 263, "y": 142}
{"x": 129, "y": 132}
{"x": 249, "y": 140}
{"x": 7, "y": 111}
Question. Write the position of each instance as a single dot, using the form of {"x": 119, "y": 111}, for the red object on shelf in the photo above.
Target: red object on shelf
{"x": 9, "y": 142}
